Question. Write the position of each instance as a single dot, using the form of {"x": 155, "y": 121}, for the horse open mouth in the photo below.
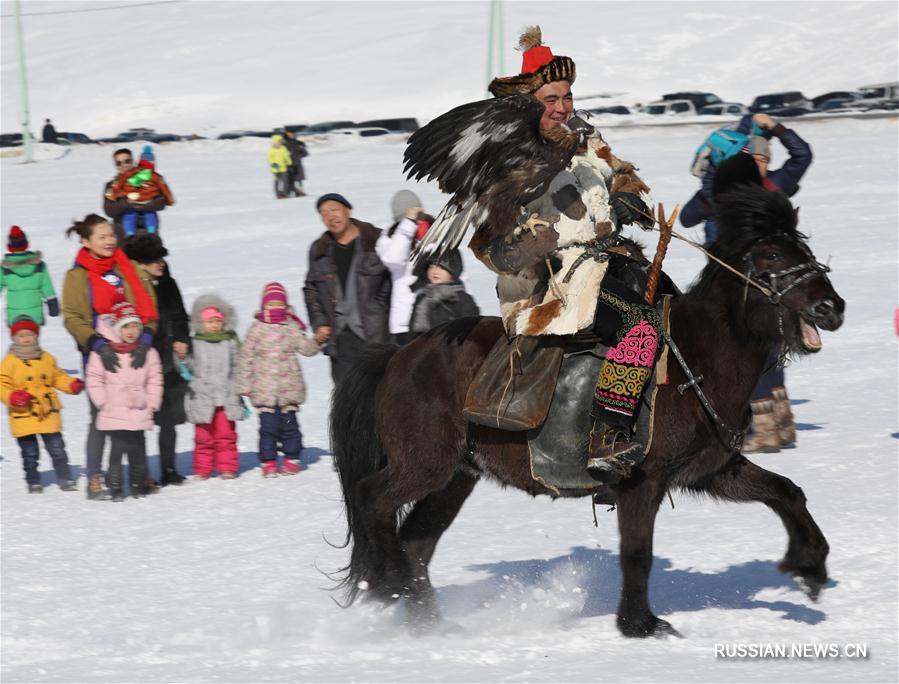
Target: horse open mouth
{"x": 811, "y": 340}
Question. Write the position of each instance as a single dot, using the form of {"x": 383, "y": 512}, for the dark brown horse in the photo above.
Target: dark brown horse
{"x": 407, "y": 459}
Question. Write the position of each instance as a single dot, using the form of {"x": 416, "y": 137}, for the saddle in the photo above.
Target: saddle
{"x": 544, "y": 386}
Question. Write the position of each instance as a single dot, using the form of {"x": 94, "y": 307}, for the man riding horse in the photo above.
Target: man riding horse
{"x": 548, "y": 199}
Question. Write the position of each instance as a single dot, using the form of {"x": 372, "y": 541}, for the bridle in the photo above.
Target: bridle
{"x": 775, "y": 286}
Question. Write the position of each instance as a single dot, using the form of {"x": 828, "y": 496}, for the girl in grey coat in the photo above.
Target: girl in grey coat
{"x": 213, "y": 402}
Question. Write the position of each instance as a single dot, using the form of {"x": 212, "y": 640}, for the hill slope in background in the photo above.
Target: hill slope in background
{"x": 205, "y": 67}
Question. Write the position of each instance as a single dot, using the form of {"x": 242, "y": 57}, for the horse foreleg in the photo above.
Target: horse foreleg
{"x": 742, "y": 480}
{"x": 637, "y": 508}
{"x": 419, "y": 534}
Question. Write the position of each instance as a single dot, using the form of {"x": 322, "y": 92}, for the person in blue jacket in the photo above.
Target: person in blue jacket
{"x": 785, "y": 179}
{"x": 772, "y": 417}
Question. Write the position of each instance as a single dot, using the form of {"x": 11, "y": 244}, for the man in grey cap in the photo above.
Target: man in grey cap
{"x": 347, "y": 288}
{"x": 394, "y": 248}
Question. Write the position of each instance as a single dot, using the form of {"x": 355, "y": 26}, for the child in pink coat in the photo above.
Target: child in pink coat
{"x": 126, "y": 397}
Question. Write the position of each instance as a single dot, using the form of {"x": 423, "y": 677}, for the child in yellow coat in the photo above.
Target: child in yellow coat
{"x": 279, "y": 161}
{"x": 29, "y": 378}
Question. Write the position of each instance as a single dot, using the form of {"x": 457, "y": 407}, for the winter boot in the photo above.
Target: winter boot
{"x": 764, "y": 437}
{"x": 67, "y": 486}
{"x": 290, "y": 467}
{"x": 35, "y": 489}
{"x": 612, "y": 453}
{"x": 95, "y": 491}
{"x": 114, "y": 482}
{"x": 783, "y": 416}
{"x": 270, "y": 469}
{"x": 170, "y": 476}
{"x": 228, "y": 475}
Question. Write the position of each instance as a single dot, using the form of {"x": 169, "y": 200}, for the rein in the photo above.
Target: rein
{"x": 733, "y": 438}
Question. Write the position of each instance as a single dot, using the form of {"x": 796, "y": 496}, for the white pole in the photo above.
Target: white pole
{"x": 23, "y": 84}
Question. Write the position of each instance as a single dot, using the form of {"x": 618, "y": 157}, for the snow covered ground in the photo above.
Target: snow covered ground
{"x": 224, "y": 580}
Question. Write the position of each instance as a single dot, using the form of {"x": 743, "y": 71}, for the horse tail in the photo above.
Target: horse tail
{"x": 358, "y": 454}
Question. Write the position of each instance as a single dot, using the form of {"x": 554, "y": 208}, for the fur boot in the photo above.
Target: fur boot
{"x": 764, "y": 437}
{"x": 783, "y": 416}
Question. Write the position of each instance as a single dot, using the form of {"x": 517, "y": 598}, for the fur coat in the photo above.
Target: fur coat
{"x": 537, "y": 300}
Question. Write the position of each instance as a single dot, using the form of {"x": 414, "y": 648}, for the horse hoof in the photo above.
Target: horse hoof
{"x": 650, "y": 627}
{"x": 664, "y": 629}
{"x": 810, "y": 583}
{"x": 810, "y": 587}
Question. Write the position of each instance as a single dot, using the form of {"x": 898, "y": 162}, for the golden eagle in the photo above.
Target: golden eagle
{"x": 493, "y": 158}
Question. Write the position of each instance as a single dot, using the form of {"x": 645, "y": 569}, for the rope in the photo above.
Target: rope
{"x": 511, "y": 378}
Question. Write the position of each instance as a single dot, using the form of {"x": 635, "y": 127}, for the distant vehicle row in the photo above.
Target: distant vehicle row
{"x": 363, "y": 129}
{"x": 792, "y": 103}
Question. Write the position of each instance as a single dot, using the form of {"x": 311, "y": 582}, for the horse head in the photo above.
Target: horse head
{"x": 785, "y": 294}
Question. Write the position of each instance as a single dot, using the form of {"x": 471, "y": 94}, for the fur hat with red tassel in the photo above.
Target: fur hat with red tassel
{"x": 538, "y": 67}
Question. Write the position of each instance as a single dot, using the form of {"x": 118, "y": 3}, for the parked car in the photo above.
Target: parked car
{"x": 233, "y": 135}
{"x": 392, "y": 125}
{"x": 368, "y": 132}
{"x": 841, "y": 104}
{"x": 778, "y": 103}
{"x": 880, "y": 91}
{"x": 724, "y": 108}
{"x": 836, "y": 94}
{"x": 614, "y": 109}
{"x": 11, "y": 139}
{"x": 325, "y": 126}
{"x": 699, "y": 99}
{"x": 670, "y": 107}
{"x": 63, "y": 138}
{"x": 147, "y": 134}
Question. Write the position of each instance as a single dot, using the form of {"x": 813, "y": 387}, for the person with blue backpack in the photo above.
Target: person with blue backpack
{"x": 724, "y": 163}
{"x": 751, "y": 136}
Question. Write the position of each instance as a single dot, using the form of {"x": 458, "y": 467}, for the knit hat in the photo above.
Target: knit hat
{"x": 333, "y": 197}
{"x": 17, "y": 241}
{"x": 23, "y": 322}
{"x": 277, "y": 137}
{"x": 450, "y": 261}
{"x": 122, "y": 314}
{"x": 211, "y": 312}
{"x": 538, "y": 67}
{"x": 401, "y": 202}
{"x": 760, "y": 146}
{"x": 147, "y": 154}
{"x": 145, "y": 248}
{"x": 274, "y": 292}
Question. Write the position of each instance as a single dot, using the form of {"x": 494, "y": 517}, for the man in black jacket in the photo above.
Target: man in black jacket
{"x": 114, "y": 209}
{"x": 49, "y": 134}
{"x": 295, "y": 172}
{"x": 347, "y": 287}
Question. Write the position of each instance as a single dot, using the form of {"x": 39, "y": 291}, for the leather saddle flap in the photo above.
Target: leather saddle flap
{"x": 514, "y": 387}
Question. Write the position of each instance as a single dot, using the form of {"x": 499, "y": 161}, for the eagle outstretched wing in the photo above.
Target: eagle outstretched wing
{"x": 491, "y": 156}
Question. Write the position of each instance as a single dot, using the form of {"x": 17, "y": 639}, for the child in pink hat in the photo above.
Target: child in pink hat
{"x": 126, "y": 397}
{"x": 270, "y": 376}
{"x": 213, "y": 403}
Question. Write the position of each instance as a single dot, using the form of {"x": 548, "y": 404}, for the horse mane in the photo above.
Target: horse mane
{"x": 746, "y": 214}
